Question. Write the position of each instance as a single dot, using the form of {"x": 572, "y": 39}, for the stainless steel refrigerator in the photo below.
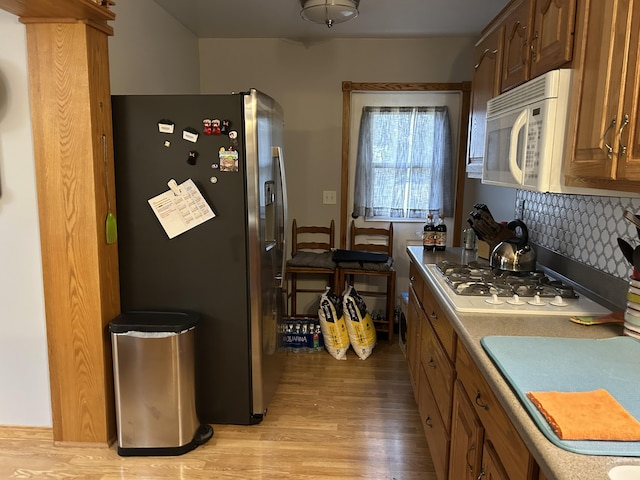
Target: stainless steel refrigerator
{"x": 230, "y": 268}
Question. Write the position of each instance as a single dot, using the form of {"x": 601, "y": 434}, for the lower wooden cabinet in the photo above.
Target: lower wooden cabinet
{"x": 439, "y": 370}
{"x": 492, "y": 468}
{"x": 434, "y": 428}
{"x": 414, "y": 343}
{"x": 467, "y": 435}
{"x": 505, "y": 440}
{"x": 468, "y": 432}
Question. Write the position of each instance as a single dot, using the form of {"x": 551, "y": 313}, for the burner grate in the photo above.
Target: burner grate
{"x": 475, "y": 279}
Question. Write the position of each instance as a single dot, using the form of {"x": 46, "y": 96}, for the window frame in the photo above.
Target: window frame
{"x": 352, "y": 87}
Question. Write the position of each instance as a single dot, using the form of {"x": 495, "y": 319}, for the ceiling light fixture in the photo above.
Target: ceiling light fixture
{"x": 329, "y": 12}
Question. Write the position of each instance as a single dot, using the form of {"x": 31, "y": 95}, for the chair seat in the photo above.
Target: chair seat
{"x": 312, "y": 260}
{"x": 371, "y": 266}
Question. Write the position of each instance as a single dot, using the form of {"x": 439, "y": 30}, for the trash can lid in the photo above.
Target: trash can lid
{"x": 150, "y": 321}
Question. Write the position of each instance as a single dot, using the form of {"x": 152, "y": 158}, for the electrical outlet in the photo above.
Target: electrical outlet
{"x": 329, "y": 197}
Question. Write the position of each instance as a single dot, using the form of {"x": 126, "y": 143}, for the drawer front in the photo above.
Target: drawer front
{"x": 414, "y": 344}
{"x": 437, "y": 436}
{"x": 439, "y": 371}
{"x": 440, "y": 322}
{"x": 511, "y": 449}
{"x": 416, "y": 282}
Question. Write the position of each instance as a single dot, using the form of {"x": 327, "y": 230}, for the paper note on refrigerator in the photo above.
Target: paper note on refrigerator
{"x": 181, "y": 208}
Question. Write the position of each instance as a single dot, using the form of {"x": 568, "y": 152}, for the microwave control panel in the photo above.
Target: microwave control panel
{"x": 532, "y": 152}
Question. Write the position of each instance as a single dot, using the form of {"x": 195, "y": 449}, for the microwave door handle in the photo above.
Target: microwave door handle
{"x": 518, "y": 125}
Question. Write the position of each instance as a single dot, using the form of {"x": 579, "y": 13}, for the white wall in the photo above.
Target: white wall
{"x": 306, "y": 79}
{"x": 149, "y": 53}
{"x": 24, "y": 373}
{"x": 500, "y": 200}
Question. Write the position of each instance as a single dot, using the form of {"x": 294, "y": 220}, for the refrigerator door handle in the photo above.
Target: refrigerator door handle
{"x": 281, "y": 277}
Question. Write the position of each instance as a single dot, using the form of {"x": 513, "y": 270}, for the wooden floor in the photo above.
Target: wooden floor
{"x": 330, "y": 419}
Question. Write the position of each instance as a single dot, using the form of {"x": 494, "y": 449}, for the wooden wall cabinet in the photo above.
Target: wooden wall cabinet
{"x": 529, "y": 38}
{"x": 552, "y": 37}
{"x": 486, "y": 85}
{"x": 516, "y": 67}
{"x": 604, "y": 151}
{"x": 538, "y": 38}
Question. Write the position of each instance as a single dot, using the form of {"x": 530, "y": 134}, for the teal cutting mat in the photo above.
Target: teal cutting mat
{"x": 572, "y": 365}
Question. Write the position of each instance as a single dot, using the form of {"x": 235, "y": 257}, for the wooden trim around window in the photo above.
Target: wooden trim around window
{"x": 348, "y": 87}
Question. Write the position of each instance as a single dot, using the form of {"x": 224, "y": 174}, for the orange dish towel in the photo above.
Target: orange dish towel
{"x": 592, "y": 415}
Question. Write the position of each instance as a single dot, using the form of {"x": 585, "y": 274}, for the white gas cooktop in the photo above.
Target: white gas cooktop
{"x": 581, "y": 306}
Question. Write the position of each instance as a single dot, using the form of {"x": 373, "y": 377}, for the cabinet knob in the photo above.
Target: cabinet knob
{"x": 482, "y": 474}
{"x": 479, "y": 403}
{"x": 427, "y": 422}
{"x": 431, "y": 363}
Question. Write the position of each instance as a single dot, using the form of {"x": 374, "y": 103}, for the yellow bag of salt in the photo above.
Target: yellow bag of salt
{"x": 362, "y": 331}
{"x": 334, "y": 329}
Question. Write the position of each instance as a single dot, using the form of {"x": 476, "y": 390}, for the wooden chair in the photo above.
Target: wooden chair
{"x": 373, "y": 240}
{"x": 311, "y": 254}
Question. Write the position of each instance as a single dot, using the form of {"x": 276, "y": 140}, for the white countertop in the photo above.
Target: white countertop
{"x": 556, "y": 463}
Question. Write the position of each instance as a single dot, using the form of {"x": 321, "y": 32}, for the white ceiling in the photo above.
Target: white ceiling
{"x": 378, "y": 18}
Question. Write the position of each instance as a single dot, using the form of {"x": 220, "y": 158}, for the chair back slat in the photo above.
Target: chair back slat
{"x": 318, "y": 238}
{"x": 371, "y": 239}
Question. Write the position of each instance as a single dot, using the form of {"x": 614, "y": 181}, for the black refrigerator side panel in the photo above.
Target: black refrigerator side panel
{"x": 204, "y": 269}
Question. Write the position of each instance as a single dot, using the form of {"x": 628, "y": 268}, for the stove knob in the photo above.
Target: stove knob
{"x": 515, "y": 300}
{"x": 558, "y": 301}
{"x": 536, "y": 301}
{"x": 494, "y": 300}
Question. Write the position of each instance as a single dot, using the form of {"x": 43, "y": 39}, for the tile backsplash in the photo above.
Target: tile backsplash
{"x": 581, "y": 227}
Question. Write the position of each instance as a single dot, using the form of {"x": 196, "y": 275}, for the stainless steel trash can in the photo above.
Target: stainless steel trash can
{"x": 154, "y": 383}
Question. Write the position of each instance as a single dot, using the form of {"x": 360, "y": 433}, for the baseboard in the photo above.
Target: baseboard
{"x": 17, "y": 431}
{"x": 46, "y": 433}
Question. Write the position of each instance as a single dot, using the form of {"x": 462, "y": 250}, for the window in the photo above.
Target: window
{"x": 404, "y": 164}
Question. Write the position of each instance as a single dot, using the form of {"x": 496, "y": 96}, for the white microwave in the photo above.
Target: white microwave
{"x": 524, "y": 139}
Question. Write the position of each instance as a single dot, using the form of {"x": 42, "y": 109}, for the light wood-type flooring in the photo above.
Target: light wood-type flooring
{"x": 330, "y": 419}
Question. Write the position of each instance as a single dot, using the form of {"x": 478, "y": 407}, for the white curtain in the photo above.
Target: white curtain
{"x": 404, "y": 167}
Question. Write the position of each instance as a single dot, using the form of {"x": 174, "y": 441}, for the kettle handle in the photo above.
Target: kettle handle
{"x": 524, "y": 238}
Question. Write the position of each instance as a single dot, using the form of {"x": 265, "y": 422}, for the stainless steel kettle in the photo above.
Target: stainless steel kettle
{"x": 514, "y": 254}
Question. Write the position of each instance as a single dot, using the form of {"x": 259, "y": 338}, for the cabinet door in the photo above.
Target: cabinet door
{"x": 492, "y": 469}
{"x": 598, "y": 83}
{"x": 437, "y": 436}
{"x": 485, "y": 86}
{"x": 439, "y": 371}
{"x": 552, "y": 36}
{"x": 515, "y": 64}
{"x": 514, "y": 455}
{"x": 465, "y": 454}
{"x": 440, "y": 323}
{"x": 414, "y": 316}
{"x": 629, "y": 147}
